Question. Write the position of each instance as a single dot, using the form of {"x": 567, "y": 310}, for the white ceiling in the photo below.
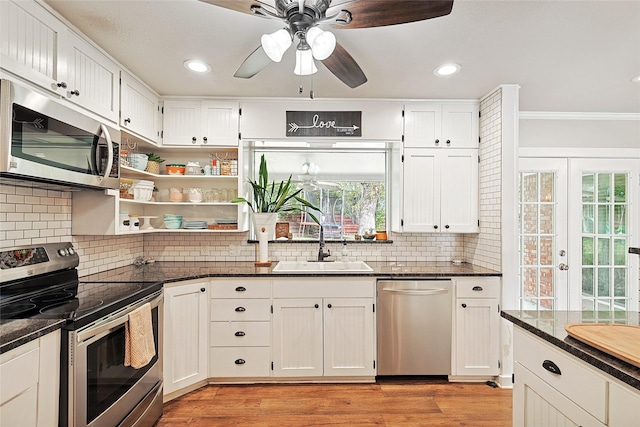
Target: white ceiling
{"x": 577, "y": 56}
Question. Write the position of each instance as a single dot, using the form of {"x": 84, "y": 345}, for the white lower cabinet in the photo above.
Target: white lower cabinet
{"x": 324, "y": 327}
{"x": 30, "y": 383}
{"x": 186, "y": 324}
{"x": 554, "y": 388}
{"x": 240, "y": 328}
{"x": 476, "y": 346}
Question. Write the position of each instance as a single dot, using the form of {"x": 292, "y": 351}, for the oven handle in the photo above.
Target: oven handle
{"x": 117, "y": 318}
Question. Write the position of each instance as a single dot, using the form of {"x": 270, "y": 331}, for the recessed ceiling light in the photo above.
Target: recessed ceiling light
{"x": 197, "y": 66}
{"x": 447, "y": 70}
{"x": 636, "y": 79}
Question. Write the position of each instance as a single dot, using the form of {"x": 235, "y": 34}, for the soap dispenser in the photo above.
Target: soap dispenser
{"x": 344, "y": 252}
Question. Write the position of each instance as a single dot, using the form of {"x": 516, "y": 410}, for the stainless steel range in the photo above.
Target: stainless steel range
{"x": 97, "y": 389}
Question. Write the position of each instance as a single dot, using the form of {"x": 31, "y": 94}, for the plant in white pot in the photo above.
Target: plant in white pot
{"x": 271, "y": 198}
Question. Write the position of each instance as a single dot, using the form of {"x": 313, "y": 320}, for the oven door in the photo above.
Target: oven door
{"x": 48, "y": 141}
{"x": 104, "y": 390}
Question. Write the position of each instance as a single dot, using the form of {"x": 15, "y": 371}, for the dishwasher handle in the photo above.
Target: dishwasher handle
{"x": 436, "y": 291}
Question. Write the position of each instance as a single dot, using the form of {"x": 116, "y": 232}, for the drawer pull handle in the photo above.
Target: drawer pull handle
{"x": 240, "y": 309}
{"x": 240, "y": 334}
{"x": 240, "y": 362}
{"x": 477, "y": 289}
{"x": 241, "y": 289}
{"x": 551, "y": 367}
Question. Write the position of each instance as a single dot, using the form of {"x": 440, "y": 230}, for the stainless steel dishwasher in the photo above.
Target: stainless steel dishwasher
{"x": 414, "y": 327}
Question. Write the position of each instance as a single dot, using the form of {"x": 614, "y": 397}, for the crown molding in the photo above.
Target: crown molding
{"x": 561, "y": 115}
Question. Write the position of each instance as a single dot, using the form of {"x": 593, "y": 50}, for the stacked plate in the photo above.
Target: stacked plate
{"x": 195, "y": 225}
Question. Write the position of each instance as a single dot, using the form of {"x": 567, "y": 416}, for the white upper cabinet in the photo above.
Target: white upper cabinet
{"x": 139, "y": 108}
{"x": 440, "y": 191}
{"x": 38, "y": 47}
{"x": 438, "y": 125}
{"x": 200, "y": 123}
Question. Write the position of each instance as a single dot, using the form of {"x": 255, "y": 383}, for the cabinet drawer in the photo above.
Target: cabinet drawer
{"x": 231, "y": 310}
{"x": 240, "y": 334}
{"x": 576, "y": 381}
{"x": 240, "y": 288}
{"x": 19, "y": 370}
{"x": 240, "y": 362}
{"x": 473, "y": 287}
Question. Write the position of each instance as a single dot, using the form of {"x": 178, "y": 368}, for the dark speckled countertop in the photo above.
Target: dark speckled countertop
{"x": 176, "y": 271}
{"x": 17, "y": 332}
{"x": 549, "y": 325}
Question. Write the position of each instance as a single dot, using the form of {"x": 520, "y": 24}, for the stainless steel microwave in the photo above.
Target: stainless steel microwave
{"x": 44, "y": 140}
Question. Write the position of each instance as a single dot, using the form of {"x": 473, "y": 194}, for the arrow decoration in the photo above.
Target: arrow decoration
{"x": 324, "y": 123}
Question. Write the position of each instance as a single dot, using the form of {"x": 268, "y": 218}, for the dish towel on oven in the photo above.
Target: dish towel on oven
{"x": 139, "y": 346}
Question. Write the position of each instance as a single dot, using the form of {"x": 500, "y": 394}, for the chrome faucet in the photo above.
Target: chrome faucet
{"x": 321, "y": 253}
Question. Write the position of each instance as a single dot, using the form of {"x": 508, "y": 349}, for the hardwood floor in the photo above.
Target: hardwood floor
{"x": 390, "y": 402}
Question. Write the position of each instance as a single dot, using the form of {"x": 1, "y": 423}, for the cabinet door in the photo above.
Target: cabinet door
{"x": 624, "y": 405}
{"x": 138, "y": 108}
{"x": 536, "y": 403}
{"x": 349, "y": 337}
{"x": 182, "y": 123}
{"x": 459, "y": 191}
{"x": 477, "y": 334}
{"x": 297, "y": 337}
{"x": 460, "y": 125}
{"x": 422, "y": 125}
{"x": 220, "y": 123}
{"x": 421, "y": 190}
{"x": 30, "y": 39}
{"x": 93, "y": 79}
{"x": 186, "y": 324}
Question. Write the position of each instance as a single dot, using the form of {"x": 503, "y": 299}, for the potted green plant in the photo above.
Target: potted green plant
{"x": 153, "y": 165}
{"x": 271, "y": 198}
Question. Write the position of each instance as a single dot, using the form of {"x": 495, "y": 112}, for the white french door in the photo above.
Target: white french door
{"x": 577, "y": 218}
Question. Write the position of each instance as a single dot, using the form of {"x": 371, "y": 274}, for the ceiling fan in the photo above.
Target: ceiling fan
{"x": 301, "y": 19}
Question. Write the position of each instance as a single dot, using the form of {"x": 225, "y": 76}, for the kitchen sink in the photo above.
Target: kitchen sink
{"x": 310, "y": 267}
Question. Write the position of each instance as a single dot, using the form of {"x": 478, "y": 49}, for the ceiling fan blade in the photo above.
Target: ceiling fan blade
{"x": 254, "y": 63}
{"x": 379, "y": 13}
{"x": 244, "y": 6}
{"x": 344, "y": 67}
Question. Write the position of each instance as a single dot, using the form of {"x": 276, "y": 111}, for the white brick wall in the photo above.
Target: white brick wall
{"x": 484, "y": 249}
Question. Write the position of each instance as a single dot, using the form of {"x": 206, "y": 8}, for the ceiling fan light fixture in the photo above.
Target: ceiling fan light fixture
{"x": 322, "y": 43}
{"x": 636, "y": 79}
{"x": 276, "y": 44}
{"x": 447, "y": 70}
{"x": 304, "y": 63}
{"x": 197, "y": 66}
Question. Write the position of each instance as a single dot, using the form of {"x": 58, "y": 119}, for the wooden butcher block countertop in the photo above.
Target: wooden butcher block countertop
{"x": 621, "y": 341}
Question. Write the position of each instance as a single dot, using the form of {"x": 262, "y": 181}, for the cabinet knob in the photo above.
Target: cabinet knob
{"x": 240, "y": 362}
{"x": 464, "y": 305}
{"x": 204, "y": 139}
{"x": 435, "y": 227}
{"x": 63, "y": 85}
{"x": 74, "y": 92}
{"x": 202, "y": 289}
{"x": 446, "y": 226}
{"x": 329, "y": 305}
{"x": 240, "y": 309}
{"x": 316, "y": 306}
{"x": 437, "y": 142}
{"x": 127, "y": 121}
{"x": 241, "y": 289}
{"x": 551, "y": 367}
{"x": 448, "y": 142}
{"x": 193, "y": 140}
{"x": 239, "y": 334}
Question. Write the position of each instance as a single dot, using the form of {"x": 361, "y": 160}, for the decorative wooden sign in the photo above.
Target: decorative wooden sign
{"x": 324, "y": 123}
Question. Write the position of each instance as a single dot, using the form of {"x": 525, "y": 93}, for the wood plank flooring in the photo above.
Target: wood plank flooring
{"x": 389, "y": 402}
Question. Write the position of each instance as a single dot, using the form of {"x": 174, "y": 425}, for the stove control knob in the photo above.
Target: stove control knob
{"x": 71, "y": 251}
{"x": 62, "y": 252}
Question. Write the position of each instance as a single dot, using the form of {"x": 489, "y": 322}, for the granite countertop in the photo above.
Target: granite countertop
{"x": 14, "y": 333}
{"x": 172, "y": 271}
{"x": 549, "y": 325}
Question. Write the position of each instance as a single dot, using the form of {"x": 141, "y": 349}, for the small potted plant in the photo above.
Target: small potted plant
{"x": 153, "y": 165}
{"x": 271, "y": 198}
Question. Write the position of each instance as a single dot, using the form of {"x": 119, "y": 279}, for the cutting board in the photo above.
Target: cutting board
{"x": 621, "y": 341}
